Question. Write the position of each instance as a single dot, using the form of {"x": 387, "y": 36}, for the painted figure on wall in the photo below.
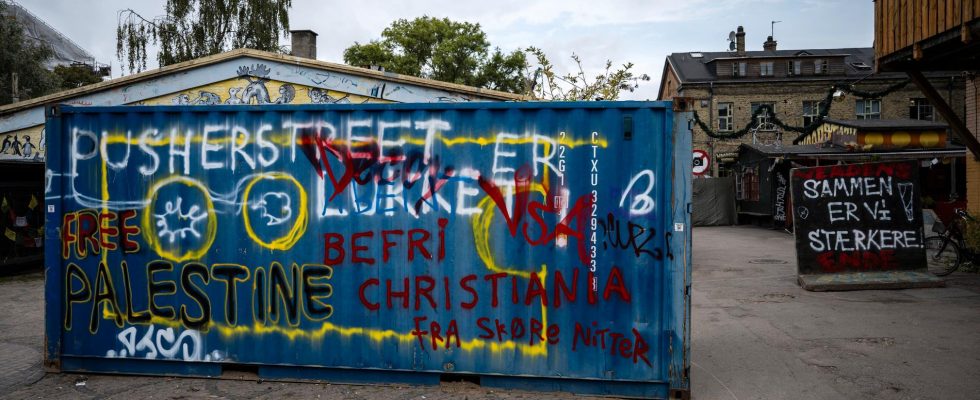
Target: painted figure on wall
{"x": 19, "y": 145}
{"x": 255, "y": 92}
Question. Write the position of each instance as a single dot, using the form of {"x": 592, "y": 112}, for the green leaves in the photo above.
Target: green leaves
{"x": 546, "y": 84}
{"x": 76, "y": 76}
{"x": 458, "y": 52}
{"x": 21, "y": 56}
{"x": 441, "y": 49}
{"x": 197, "y": 28}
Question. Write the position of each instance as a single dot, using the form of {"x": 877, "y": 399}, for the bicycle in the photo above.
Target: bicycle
{"x": 945, "y": 252}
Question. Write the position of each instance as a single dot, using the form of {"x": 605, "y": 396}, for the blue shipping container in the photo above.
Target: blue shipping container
{"x": 535, "y": 245}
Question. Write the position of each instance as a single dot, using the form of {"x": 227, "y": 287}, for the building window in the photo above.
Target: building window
{"x": 819, "y": 66}
{"x": 765, "y": 68}
{"x": 725, "y": 112}
{"x": 738, "y": 69}
{"x": 794, "y": 67}
{"x": 867, "y": 108}
{"x": 920, "y": 109}
{"x": 747, "y": 184}
{"x": 764, "y": 120}
{"x": 811, "y": 110}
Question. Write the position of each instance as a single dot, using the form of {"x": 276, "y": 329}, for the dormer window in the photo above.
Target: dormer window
{"x": 738, "y": 68}
{"x": 794, "y": 67}
{"x": 802, "y": 53}
{"x": 765, "y": 68}
{"x": 819, "y": 66}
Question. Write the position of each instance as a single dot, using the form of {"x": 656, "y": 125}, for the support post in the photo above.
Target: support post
{"x": 954, "y": 121}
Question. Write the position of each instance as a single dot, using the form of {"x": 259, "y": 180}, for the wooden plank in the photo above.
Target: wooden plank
{"x": 893, "y": 11}
{"x": 931, "y": 22}
{"x": 944, "y": 20}
{"x": 923, "y": 24}
{"x": 879, "y": 47}
{"x": 887, "y": 17}
{"x": 903, "y": 36}
{"x": 951, "y": 14}
{"x": 910, "y": 9}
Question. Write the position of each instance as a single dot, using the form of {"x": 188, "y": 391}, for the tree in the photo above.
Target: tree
{"x": 20, "y": 56}
{"x": 608, "y": 85}
{"x": 441, "y": 49}
{"x": 197, "y": 28}
{"x": 459, "y": 52}
{"x": 76, "y": 76}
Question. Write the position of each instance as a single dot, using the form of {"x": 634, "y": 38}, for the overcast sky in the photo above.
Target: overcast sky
{"x": 642, "y": 32}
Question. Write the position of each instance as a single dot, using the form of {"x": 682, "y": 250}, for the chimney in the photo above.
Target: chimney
{"x": 769, "y": 45}
{"x": 304, "y": 43}
{"x": 740, "y": 41}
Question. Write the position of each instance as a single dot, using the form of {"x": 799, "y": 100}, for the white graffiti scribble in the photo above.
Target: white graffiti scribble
{"x": 269, "y": 201}
{"x": 195, "y": 214}
{"x": 165, "y": 344}
{"x": 642, "y": 203}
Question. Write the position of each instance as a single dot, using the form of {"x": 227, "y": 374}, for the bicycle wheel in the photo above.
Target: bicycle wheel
{"x": 942, "y": 255}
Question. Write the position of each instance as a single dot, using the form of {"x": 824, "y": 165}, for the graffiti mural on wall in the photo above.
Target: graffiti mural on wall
{"x": 254, "y": 86}
{"x": 439, "y": 232}
{"x": 23, "y": 145}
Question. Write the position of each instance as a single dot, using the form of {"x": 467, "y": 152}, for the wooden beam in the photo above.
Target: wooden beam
{"x": 954, "y": 121}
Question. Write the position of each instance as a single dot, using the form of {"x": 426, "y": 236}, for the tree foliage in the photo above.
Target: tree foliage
{"x": 441, "y": 49}
{"x": 76, "y": 76}
{"x": 197, "y": 28}
{"x": 459, "y": 52}
{"x": 547, "y": 84}
{"x": 19, "y": 55}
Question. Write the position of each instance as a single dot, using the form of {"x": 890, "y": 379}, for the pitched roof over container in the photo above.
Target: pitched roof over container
{"x": 242, "y": 76}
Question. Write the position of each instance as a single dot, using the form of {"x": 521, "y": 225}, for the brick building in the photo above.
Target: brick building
{"x": 725, "y": 88}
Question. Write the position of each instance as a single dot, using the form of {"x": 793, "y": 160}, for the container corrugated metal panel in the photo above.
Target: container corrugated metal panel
{"x": 373, "y": 242}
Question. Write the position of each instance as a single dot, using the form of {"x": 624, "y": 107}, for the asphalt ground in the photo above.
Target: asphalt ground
{"x": 756, "y": 335}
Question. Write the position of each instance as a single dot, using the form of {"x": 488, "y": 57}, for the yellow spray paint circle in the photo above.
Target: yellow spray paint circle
{"x": 150, "y": 230}
{"x": 286, "y": 241}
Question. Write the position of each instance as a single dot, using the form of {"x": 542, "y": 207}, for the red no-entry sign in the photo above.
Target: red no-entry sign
{"x": 701, "y": 162}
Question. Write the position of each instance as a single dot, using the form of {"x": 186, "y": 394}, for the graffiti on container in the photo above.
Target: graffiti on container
{"x": 166, "y": 344}
{"x": 628, "y": 235}
{"x": 384, "y": 211}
